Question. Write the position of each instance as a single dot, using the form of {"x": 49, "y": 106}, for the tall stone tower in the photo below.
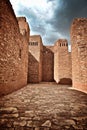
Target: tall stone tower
{"x": 62, "y": 62}
{"x": 13, "y": 51}
{"x": 35, "y": 59}
{"x": 79, "y": 53}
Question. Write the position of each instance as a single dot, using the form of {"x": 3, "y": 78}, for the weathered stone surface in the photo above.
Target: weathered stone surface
{"x": 37, "y": 128}
{"x": 51, "y": 106}
{"x": 47, "y": 123}
{"x": 23, "y": 123}
{"x": 30, "y": 113}
{"x": 30, "y": 123}
{"x": 15, "y": 115}
{"x": 13, "y": 51}
{"x": 70, "y": 122}
{"x": 47, "y": 64}
{"x": 62, "y": 62}
{"x": 3, "y": 121}
{"x": 35, "y": 59}
{"x": 79, "y": 53}
{"x": 20, "y": 123}
{"x": 24, "y": 27}
{"x": 8, "y": 110}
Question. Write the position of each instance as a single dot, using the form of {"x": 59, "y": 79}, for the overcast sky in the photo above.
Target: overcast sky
{"x": 50, "y": 18}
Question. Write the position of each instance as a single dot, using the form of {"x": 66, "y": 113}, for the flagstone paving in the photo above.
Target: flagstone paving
{"x": 45, "y": 106}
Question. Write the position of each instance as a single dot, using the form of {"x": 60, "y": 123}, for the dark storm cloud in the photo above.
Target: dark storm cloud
{"x": 53, "y": 21}
{"x": 63, "y": 16}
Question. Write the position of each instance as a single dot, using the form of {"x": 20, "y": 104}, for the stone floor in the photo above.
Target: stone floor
{"x": 44, "y": 107}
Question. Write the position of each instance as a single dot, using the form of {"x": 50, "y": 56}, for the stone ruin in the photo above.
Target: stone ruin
{"x": 62, "y": 62}
{"x": 24, "y": 59}
{"x": 79, "y": 53}
{"x": 35, "y": 59}
{"x": 13, "y": 51}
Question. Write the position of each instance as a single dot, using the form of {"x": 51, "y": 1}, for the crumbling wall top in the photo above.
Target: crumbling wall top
{"x": 79, "y": 20}
{"x": 61, "y": 42}
{"x": 79, "y": 30}
{"x": 21, "y": 19}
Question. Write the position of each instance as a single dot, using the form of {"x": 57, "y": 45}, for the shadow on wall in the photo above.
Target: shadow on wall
{"x": 47, "y": 65}
{"x": 65, "y": 81}
{"x": 33, "y": 69}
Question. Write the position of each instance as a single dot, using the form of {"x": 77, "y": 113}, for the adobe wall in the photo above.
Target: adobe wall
{"x": 79, "y": 53}
{"x": 48, "y": 64}
{"x": 35, "y": 59}
{"x": 13, "y": 51}
{"x": 62, "y": 62}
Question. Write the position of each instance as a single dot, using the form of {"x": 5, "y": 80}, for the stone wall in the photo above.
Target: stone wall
{"x": 35, "y": 59}
{"x": 79, "y": 53}
{"x": 48, "y": 64}
{"x": 56, "y": 63}
{"x": 62, "y": 62}
{"x": 24, "y": 27}
{"x": 13, "y": 51}
{"x": 25, "y": 31}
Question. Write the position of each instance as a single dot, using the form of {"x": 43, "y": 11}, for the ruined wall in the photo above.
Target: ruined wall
{"x": 25, "y": 31}
{"x": 13, "y": 51}
{"x": 56, "y": 63}
{"x": 79, "y": 53}
{"x": 41, "y": 59}
{"x": 62, "y": 63}
{"x": 24, "y": 27}
{"x": 35, "y": 59}
{"x": 48, "y": 64}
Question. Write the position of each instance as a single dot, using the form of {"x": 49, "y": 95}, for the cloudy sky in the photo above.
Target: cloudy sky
{"x": 50, "y": 18}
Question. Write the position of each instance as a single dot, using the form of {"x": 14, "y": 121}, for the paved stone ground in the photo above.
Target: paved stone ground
{"x": 44, "y": 107}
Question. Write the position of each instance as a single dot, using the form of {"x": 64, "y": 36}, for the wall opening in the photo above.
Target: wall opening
{"x": 65, "y": 81}
{"x": 20, "y": 53}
